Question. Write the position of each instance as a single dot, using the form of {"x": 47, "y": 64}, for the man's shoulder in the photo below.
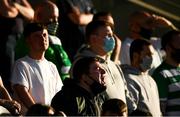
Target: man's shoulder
{"x": 161, "y": 67}
{"x": 85, "y": 51}
{"x": 70, "y": 91}
{"x": 22, "y": 60}
{"x": 164, "y": 70}
{"x": 54, "y": 40}
{"x": 127, "y": 41}
{"x": 50, "y": 62}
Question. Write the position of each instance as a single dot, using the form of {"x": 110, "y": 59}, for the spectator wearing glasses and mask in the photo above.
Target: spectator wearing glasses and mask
{"x": 100, "y": 43}
{"x": 107, "y": 16}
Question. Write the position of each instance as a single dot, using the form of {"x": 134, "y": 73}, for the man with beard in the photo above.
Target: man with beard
{"x": 79, "y": 96}
{"x": 141, "y": 25}
{"x": 167, "y": 75}
{"x": 141, "y": 86}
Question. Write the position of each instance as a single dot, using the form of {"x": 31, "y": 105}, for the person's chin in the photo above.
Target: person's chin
{"x": 104, "y": 84}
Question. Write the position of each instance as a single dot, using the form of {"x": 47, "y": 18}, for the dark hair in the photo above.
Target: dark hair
{"x": 136, "y": 15}
{"x": 93, "y": 26}
{"x": 33, "y": 27}
{"x": 81, "y": 66}
{"x": 140, "y": 113}
{"x": 137, "y": 46}
{"x": 115, "y": 106}
{"x": 167, "y": 38}
{"x": 101, "y": 14}
{"x": 39, "y": 110}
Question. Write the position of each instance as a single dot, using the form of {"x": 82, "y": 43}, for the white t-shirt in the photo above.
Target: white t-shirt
{"x": 40, "y": 77}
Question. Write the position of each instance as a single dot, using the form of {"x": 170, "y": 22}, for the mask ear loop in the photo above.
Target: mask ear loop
{"x": 99, "y": 77}
{"x": 44, "y": 26}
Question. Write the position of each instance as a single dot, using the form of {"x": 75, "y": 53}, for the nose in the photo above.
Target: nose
{"x": 44, "y": 34}
{"x": 42, "y": 37}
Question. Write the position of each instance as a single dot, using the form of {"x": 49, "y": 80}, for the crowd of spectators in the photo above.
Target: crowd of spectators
{"x": 63, "y": 58}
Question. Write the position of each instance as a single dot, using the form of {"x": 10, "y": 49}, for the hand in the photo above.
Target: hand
{"x": 163, "y": 22}
{"x": 12, "y": 106}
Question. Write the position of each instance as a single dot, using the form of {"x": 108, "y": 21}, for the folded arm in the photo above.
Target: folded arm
{"x": 24, "y": 95}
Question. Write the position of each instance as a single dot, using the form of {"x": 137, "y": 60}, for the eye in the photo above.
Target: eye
{"x": 110, "y": 36}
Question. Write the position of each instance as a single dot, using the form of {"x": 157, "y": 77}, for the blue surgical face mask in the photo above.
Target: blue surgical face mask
{"x": 146, "y": 63}
{"x": 52, "y": 28}
{"x": 109, "y": 44}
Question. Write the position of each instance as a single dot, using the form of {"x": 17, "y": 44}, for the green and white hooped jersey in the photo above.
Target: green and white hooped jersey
{"x": 167, "y": 78}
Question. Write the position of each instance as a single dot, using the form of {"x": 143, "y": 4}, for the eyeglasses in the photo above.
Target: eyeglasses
{"x": 99, "y": 59}
{"x": 41, "y": 25}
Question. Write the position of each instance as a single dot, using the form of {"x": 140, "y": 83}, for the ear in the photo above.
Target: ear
{"x": 84, "y": 77}
{"x": 93, "y": 39}
{"x": 37, "y": 15}
{"x": 135, "y": 60}
{"x": 135, "y": 27}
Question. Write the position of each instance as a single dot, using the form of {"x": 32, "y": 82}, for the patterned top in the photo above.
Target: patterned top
{"x": 167, "y": 78}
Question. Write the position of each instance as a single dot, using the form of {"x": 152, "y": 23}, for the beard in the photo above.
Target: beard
{"x": 176, "y": 56}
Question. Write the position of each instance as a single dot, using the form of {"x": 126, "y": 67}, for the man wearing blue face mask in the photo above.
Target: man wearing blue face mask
{"x": 47, "y": 14}
{"x": 100, "y": 43}
{"x": 141, "y": 25}
{"x": 141, "y": 86}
